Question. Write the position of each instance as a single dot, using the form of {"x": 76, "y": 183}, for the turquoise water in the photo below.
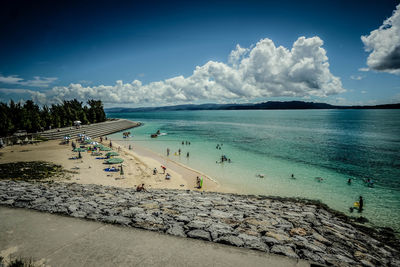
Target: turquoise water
{"x": 333, "y": 144}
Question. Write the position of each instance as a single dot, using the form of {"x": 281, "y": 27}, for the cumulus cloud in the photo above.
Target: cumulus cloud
{"x": 36, "y": 82}
{"x": 263, "y": 70}
{"x": 384, "y": 45}
{"x": 38, "y": 97}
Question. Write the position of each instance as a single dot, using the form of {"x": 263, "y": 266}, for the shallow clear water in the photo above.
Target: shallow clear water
{"x": 333, "y": 144}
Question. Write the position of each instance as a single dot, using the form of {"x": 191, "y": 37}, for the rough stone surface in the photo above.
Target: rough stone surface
{"x": 289, "y": 228}
{"x": 200, "y": 234}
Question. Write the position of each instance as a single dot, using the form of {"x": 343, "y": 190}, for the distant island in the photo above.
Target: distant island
{"x": 270, "y": 105}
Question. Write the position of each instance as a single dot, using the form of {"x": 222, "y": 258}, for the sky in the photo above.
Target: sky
{"x": 151, "y": 53}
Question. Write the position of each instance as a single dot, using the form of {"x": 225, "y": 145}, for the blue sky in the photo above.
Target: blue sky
{"x": 62, "y": 49}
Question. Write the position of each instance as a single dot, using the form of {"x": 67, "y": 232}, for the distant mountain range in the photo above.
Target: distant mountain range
{"x": 247, "y": 106}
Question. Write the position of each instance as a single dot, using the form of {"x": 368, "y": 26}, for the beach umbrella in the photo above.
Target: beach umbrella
{"x": 114, "y": 161}
{"x": 122, "y": 171}
{"x": 79, "y": 156}
{"x": 104, "y": 148}
{"x": 112, "y": 153}
{"x": 78, "y": 149}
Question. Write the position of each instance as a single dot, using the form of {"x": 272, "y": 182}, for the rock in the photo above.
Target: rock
{"x": 312, "y": 256}
{"x": 253, "y": 242}
{"x": 72, "y": 208}
{"x": 298, "y": 231}
{"x": 199, "y": 234}
{"x": 321, "y": 239}
{"x": 270, "y": 240}
{"x": 39, "y": 201}
{"x": 196, "y": 224}
{"x": 230, "y": 240}
{"x": 284, "y": 250}
{"x": 219, "y": 214}
{"x": 219, "y": 229}
{"x": 176, "y": 230}
{"x": 313, "y": 247}
{"x": 344, "y": 259}
{"x": 183, "y": 218}
{"x": 117, "y": 220}
{"x": 369, "y": 264}
{"x": 278, "y": 236}
{"x": 7, "y": 202}
{"x": 78, "y": 214}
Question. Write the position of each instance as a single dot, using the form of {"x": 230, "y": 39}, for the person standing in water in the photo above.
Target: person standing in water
{"x": 187, "y": 154}
{"x": 167, "y": 151}
{"x": 361, "y": 204}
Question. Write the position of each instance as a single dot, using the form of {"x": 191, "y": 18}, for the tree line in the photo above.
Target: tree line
{"x": 30, "y": 117}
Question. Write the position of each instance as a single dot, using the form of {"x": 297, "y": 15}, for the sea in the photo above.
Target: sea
{"x": 323, "y": 149}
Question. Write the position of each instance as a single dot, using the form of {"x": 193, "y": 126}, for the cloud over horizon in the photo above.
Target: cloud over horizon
{"x": 384, "y": 45}
{"x": 36, "y": 82}
{"x": 263, "y": 70}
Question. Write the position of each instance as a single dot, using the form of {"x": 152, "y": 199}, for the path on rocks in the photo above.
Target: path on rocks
{"x": 54, "y": 240}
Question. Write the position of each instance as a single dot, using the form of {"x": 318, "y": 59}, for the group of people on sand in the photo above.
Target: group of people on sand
{"x": 167, "y": 175}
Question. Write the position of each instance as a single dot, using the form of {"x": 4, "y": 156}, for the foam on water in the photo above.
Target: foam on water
{"x": 332, "y": 144}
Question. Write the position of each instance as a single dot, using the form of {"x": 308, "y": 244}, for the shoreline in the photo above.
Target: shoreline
{"x": 141, "y": 152}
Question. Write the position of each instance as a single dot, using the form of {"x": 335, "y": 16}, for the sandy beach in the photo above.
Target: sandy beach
{"x": 137, "y": 167}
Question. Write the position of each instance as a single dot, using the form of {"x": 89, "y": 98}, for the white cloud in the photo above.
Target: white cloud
{"x": 356, "y": 77}
{"x": 263, "y": 70}
{"x": 363, "y": 92}
{"x": 236, "y": 55}
{"x": 363, "y": 69}
{"x": 38, "y": 97}
{"x": 36, "y": 82}
{"x": 384, "y": 45}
